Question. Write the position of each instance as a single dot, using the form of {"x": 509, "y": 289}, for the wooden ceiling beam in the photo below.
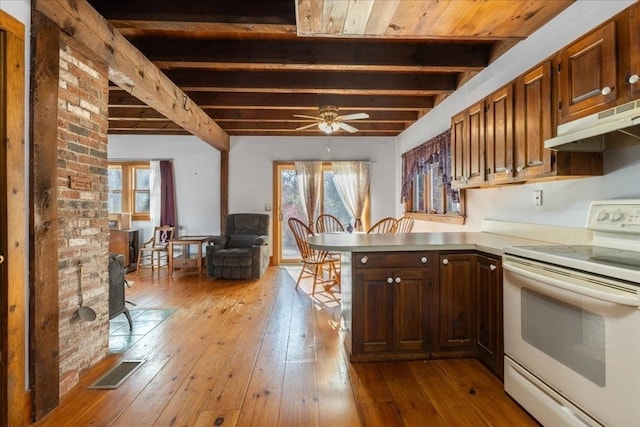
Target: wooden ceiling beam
{"x": 129, "y": 69}
{"x": 320, "y": 53}
{"x": 288, "y": 101}
{"x": 220, "y": 115}
{"x": 277, "y": 12}
{"x": 314, "y": 82}
{"x": 202, "y": 30}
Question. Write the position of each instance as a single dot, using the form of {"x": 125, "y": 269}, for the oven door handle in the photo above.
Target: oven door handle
{"x": 538, "y": 279}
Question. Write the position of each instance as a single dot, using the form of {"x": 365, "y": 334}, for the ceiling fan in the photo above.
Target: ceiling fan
{"x": 329, "y": 120}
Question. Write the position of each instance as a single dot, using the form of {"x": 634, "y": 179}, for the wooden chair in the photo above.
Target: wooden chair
{"x": 405, "y": 225}
{"x": 384, "y": 226}
{"x": 314, "y": 261}
{"x": 152, "y": 253}
{"x": 326, "y": 223}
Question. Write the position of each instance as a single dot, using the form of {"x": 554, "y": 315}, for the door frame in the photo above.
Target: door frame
{"x": 13, "y": 226}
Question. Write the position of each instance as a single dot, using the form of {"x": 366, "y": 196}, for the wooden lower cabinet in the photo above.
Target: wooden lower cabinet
{"x": 392, "y": 306}
{"x": 488, "y": 277}
{"x": 457, "y": 304}
{"x": 425, "y": 304}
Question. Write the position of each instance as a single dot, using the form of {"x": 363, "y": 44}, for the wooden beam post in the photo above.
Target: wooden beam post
{"x": 224, "y": 189}
{"x": 130, "y": 69}
{"x": 44, "y": 339}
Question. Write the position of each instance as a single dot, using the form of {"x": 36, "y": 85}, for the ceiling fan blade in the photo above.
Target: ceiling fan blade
{"x": 347, "y": 127}
{"x": 302, "y": 116}
{"x": 307, "y": 126}
{"x": 355, "y": 116}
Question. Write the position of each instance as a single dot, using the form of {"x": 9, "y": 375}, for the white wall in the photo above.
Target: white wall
{"x": 196, "y": 168}
{"x": 251, "y": 166}
{"x": 564, "y": 202}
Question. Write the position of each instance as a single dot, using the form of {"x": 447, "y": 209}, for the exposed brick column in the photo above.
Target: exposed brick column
{"x": 82, "y": 212}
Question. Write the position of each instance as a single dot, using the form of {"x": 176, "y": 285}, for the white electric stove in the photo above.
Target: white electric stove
{"x": 572, "y": 323}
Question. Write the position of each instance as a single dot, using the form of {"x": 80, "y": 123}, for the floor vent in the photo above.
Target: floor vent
{"x": 116, "y": 376}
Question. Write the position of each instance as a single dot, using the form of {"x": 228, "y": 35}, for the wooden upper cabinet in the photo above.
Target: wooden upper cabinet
{"x": 458, "y": 140}
{"x": 587, "y": 74}
{"x": 499, "y": 135}
{"x": 632, "y": 74}
{"x": 534, "y": 121}
{"x": 477, "y": 137}
{"x": 467, "y": 147}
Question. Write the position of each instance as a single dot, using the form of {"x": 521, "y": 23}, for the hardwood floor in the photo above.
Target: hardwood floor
{"x": 261, "y": 353}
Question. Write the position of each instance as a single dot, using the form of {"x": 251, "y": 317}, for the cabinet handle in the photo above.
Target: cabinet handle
{"x": 492, "y": 267}
{"x": 364, "y": 259}
{"x": 424, "y": 260}
{"x": 389, "y": 280}
{"x": 633, "y": 79}
{"x": 398, "y": 280}
{"x": 606, "y": 90}
{"x": 1, "y": 259}
{"x": 520, "y": 168}
{"x": 445, "y": 261}
{"x": 507, "y": 171}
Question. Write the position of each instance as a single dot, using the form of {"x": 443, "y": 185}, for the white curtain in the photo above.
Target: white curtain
{"x": 352, "y": 181}
{"x": 309, "y": 177}
{"x": 154, "y": 165}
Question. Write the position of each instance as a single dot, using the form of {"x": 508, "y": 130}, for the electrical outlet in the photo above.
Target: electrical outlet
{"x": 267, "y": 207}
{"x": 537, "y": 197}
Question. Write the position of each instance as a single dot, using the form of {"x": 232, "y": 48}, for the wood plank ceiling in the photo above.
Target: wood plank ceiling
{"x": 251, "y": 65}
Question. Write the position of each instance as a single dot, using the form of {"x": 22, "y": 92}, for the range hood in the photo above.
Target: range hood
{"x": 609, "y": 129}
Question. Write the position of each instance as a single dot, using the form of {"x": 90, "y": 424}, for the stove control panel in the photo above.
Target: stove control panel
{"x": 619, "y": 216}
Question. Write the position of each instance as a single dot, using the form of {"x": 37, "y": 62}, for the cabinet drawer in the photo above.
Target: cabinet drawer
{"x": 181, "y": 262}
{"x": 392, "y": 260}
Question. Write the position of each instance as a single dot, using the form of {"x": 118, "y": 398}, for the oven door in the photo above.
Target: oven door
{"x": 577, "y": 334}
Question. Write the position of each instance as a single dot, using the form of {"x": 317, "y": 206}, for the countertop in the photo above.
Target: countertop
{"x": 482, "y": 241}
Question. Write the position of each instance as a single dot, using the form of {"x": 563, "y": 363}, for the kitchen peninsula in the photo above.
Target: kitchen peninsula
{"x": 426, "y": 295}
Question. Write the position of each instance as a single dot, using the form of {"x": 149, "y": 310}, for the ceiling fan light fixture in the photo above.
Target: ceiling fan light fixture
{"x": 328, "y": 127}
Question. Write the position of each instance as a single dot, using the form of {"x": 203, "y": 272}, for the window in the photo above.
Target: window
{"x": 130, "y": 189}
{"x": 426, "y": 182}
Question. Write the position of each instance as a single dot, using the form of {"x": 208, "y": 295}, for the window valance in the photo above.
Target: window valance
{"x": 420, "y": 159}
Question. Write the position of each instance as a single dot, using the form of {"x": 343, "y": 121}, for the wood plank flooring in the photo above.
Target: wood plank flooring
{"x": 261, "y": 353}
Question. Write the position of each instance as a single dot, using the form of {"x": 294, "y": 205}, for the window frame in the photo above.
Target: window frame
{"x": 129, "y": 190}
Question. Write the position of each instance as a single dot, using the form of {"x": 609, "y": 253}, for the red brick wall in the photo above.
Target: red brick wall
{"x": 83, "y": 224}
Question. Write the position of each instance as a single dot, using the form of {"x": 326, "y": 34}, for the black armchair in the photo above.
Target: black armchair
{"x": 242, "y": 252}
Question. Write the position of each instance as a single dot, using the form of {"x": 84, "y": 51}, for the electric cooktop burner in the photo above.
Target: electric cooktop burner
{"x": 624, "y": 258}
{"x": 607, "y": 262}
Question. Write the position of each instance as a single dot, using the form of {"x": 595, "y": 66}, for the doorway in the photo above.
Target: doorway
{"x": 287, "y": 203}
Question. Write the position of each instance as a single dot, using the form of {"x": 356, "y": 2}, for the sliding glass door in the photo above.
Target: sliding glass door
{"x": 288, "y": 204}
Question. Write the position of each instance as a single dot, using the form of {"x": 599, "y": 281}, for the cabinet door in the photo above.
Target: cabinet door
{"x": 412, "y": 309}
{"x": 475, "y": 147}
{"x": 457, "y": 302}
{"x": 373, "y": 311}
{"x": 631, "y": 77}
{"x": 534, "y": 122}
{"x": 489, "y": 306}
{"x": 458, "y": 140}
{"x": 467, "y": 147}
{"x": 499, "y": 135}
{"x": 587, "y": 74}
